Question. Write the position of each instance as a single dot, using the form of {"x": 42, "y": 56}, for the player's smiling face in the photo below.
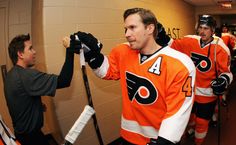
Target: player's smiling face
{"x": 136, "y": 32}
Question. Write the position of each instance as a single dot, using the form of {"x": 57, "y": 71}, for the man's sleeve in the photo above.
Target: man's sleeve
{"x": 179, "y": 102}
{"x": 223, "y": 61}
{"x": 65, "y": 76}
{"x": 37, "y": 83}
{"x": 109, "y": 69}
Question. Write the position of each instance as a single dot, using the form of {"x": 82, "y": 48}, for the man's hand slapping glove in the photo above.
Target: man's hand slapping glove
{"x": 71, "y": 44}
{"x": 92, "y": 53}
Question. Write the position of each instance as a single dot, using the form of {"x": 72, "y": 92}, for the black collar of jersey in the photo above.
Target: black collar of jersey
{"x": 144, "y": 57}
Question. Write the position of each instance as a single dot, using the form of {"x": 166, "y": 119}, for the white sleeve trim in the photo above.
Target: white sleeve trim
{"x": 102, "y": 70}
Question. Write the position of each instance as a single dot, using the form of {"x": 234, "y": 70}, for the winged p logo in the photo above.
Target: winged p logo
{"x": 140, "y": 89}
{"x": 201, "y": 62}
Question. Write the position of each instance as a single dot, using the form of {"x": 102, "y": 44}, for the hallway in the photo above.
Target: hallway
{"x": 228, "y": 123}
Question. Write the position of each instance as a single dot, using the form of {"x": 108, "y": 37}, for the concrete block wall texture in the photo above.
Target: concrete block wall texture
{"x": 50, "y": 20}
{"x": 104, "y": 19}
{"x": 19, "y": 17}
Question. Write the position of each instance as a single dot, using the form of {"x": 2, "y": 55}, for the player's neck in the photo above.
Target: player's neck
{"x": 205, "y": 42}
{"x": 22, "y": 64}
{"x": 150, "y": 48}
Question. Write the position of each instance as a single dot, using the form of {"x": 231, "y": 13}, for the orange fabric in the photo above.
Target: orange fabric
{"x": 203, "y": 99}
{"x": 1, "y": 143}
{"x": 169, "y": 98}
{"x": 229, "y": 40}
{"x": 198, "y": 141}
{"x": 201, "y": 128}
{"x": 192, "y": 122}
{"x": 190, "y": 45}
{"x": 134, "y": 138}
{"x": 17, "y": 142}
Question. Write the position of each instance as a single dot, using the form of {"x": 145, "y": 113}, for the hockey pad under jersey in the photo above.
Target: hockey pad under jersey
{"x": 213, "y": 57}
{"x": 157, "y": 94}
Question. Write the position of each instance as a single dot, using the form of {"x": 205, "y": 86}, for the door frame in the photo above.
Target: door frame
{"x": 5, "y": 4}
{"x": 5, "y": 114}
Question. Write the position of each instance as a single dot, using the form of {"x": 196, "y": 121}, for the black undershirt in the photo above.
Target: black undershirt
{"x": 144, "y": 57}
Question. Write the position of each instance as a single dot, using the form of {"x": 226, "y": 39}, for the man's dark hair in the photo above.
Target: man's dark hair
{"x": 146, "y": 15}
{"x": 225, "y": 25}
{"x": 17, "y": 45}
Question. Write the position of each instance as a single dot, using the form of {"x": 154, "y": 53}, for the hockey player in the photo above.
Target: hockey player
{"x": 212, "y": 60}
{"x": 157, "y": 82}
{"x": 228, "y": 38}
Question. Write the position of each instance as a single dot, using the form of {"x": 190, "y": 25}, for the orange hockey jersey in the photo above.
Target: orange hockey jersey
{"x": 157, "y": 94}
{"x": 204, "y": 60}
{"x": 229, "y": 41}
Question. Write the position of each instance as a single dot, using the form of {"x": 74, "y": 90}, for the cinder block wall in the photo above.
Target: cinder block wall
{"x": 102, "y": 18}
{"x": 19, "y": 17}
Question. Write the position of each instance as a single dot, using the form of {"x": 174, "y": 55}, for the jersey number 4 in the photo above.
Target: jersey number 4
{"x": 187, "y": 87}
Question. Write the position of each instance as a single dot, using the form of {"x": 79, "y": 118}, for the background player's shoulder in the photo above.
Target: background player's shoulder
{"x": 185, "y": 59}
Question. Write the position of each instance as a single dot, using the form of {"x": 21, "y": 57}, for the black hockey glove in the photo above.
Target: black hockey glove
{"x": 75, "y": 45}
{"x": 162, "y": 38}
{"x": 219, "y": 85}
{"x": 92, "y": 53}
{"x": 160, "y": 141}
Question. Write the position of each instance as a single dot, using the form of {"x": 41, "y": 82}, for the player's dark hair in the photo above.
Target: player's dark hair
{"x": 17, "y": 45}
{"x": 225, "y": 25}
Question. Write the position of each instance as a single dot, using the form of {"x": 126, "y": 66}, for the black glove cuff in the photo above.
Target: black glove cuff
{"x": 96, "y": 62}
{"x": 161, "y": 141}
{"x": 162, "y": 38}
{"x": 219, "y": 85}
{"x": 226, "y": 77}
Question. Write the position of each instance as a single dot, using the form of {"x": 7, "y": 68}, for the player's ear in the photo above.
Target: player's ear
{"x": 150, "y": 28}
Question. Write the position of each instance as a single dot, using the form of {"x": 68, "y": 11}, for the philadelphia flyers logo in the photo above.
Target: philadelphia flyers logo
{"x": 201, "y": 62}
{"x": 140, "y": 89}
